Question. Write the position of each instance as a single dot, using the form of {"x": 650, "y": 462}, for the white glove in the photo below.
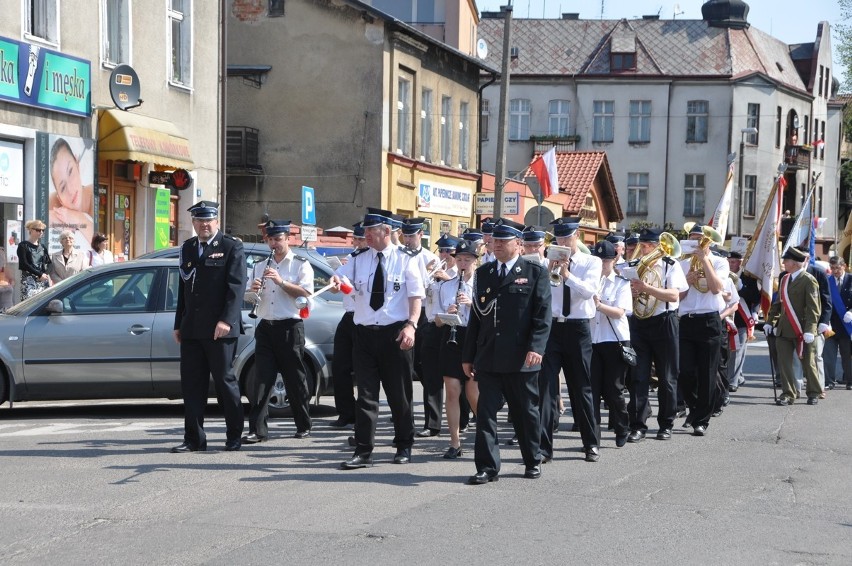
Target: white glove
{"x": 809, "y": 338}
{"x": 847, "y": 318}
{"x": 822, "y": 328}
{"x": 767, "y": 329}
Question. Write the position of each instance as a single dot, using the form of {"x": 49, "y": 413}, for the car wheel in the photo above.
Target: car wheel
{"x": 279, "y": 405}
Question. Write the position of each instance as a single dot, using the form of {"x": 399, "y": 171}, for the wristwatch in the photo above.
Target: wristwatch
{"x": 413, "y": 325}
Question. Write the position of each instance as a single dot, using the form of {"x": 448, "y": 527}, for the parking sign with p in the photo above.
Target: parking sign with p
{"x": 309, "y": 212}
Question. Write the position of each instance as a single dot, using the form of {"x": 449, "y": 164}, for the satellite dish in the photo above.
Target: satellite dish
{"x": 481, "y": 48}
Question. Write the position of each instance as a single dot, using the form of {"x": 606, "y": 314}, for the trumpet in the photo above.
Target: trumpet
{"x": 558, "y": 254}
{"x": 708, "y": 236}
{"x": 259, "y": 294}
{"x": 434, "y": 267}
{"x": 452, "y": 339}
{"x": 644, "y": 305}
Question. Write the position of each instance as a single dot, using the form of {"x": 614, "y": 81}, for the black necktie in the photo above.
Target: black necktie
{"x": 377, "y": 293}
{"x": 502, "y": 272}
{"x": 566, "y": 296}
{"x": 203, "y": 248}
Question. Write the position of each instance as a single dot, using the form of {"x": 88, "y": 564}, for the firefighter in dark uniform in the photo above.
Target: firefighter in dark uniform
{"x": 208, "y": 321}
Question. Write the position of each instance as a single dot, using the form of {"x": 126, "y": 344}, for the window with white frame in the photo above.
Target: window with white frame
{"x": 693, "y": 194}
{"x": 637, "y": 193}
{"x": 403, "y": 116}
{"x": 753, "y": 121}
{"x": 180, "y": 39}
{"x": 640, "y": 121}
{"x": 484, "y": 115}
{"x": 464, "y": 132}
{"x": 696, "y": 121}
{"x": 446, "y": 130}
{"x": 42, "y": 19}
{"x": 115, "y": 35}
{"x": 559, "y": 118}
{"x": 604, "y": 117}
{"x": 749, "y": 192}
{"x": 426, "y": 116}
{"x": 519, "y": 119}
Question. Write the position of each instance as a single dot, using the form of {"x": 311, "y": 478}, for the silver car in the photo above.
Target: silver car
{"x": 107, "y": 333}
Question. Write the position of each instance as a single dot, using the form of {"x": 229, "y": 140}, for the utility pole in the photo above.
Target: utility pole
{"x": 502, "y": 134}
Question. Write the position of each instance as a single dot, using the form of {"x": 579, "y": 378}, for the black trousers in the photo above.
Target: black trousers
{"x": 521, "y": 392}
{"x": 279, "y": 348}
{"x": 199, "y": 360}
{"x": 726, "y": 356}
{"x": 699, "y": 364}
{"x": 379, "y": 362}
{"x": 609, "y": 372}
{"x": 655, "y": 339}
{"x": 343, "y": 369}
{"x": 429, "y": 337}
{"x": 569, "y": 348}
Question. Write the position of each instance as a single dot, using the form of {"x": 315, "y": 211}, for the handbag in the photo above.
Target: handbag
{"x": 628, "y": 354}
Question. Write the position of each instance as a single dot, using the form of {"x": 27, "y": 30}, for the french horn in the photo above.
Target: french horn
{"x": 645, "y": 304}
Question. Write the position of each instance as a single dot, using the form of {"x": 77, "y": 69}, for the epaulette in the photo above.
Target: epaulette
{"x": 358, "y": 252}
{"x": 300, "y": 257}
{"x": 408, "y": 251}
{"x": 234, "y": 238}
{"x": 668, "y": 260}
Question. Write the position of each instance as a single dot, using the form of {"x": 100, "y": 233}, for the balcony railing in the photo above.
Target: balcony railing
{"x": 797, "y": 157}
{"x": 544, "y": 143}
{"x": 243, "y": 149}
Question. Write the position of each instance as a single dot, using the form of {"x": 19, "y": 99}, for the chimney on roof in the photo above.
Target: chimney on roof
{"x": 651, "y": 17}
{"x": 725, "y": 13}
{"x": 491, "y": 15}
{"x": 571, "y": 15}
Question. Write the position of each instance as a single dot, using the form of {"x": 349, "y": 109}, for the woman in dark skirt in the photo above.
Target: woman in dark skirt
{"x": 33, "y": 261}
{"x": 454, "y": 297}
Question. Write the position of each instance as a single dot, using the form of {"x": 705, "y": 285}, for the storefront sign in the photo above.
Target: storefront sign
{"x": 445, "y": 199}
{"x": 37, "y": 76}
{"x": 162, "y": 203}
{"x": 485, "y": 203}
{"x": 309, "y": 233}
{"x": 11, "y": 170}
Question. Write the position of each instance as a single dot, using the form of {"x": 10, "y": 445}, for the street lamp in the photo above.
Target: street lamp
{"x": 743, "y": 132}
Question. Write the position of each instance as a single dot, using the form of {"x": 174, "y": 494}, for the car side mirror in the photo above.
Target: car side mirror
{"x": 55, "y": 306}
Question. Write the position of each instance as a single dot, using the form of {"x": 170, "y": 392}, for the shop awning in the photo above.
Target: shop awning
{"x": 125, "y": 135}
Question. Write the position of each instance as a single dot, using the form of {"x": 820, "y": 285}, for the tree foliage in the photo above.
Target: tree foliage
{"x": 843, "y": 39}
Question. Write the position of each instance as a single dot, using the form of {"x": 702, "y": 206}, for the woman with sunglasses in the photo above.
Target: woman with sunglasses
{"x": 33, "y": 261}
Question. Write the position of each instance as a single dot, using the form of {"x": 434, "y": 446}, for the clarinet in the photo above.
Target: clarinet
{"x": 453, "y": 330}
{"x": 254, "y": 307}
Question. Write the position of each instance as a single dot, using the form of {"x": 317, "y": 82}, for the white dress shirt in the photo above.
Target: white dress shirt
{"x": 697, "y": 302}
{"x": 431, "y": 302}
{"x": 583, "y": 279}
{"x": 447, "y": 292}
{"x": 615, "y": 292}
{"x": 403, "y": 280}
{"x": 275, "y": 302}
{"x": 672, "y": 277}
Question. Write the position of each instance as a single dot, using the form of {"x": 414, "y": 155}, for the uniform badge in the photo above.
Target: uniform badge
{"x": 482, "y": 299}
{"x": 517, "y": 269}
{"x": 189, "y": 264}
{"x": 396, "y": 286}
{"x": 488, "y": 290}
{"x": 217, "y": 255}
{"x": 216, "y": 243}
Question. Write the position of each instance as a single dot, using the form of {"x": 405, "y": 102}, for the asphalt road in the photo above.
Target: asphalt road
{"x": 96, "y": 484}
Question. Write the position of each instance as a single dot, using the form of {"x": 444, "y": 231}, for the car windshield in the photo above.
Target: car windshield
{"x": 27, "y": 304}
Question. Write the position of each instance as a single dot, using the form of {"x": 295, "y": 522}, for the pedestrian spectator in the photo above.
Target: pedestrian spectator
{"x": 33, "y": 261}
{"x": 68, "y": 261}
{"x": 99, "y": 254}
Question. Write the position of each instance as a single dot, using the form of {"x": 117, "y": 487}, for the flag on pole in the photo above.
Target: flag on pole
{"x": 762, "y": 260}
{"x": 801, "y": 230}
{"x": 545, "y": 171}
{"x": 719, "y": 221}
{"x": 844, "y": 248}
{"x": 812, "y": 242}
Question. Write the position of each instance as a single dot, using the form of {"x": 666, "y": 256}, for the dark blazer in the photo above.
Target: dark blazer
{"x": 215, "y": 289}
{"x": 522, "y": 323}
{"x": 750, "y": 293}
{"x": 837, "y": 311}
{"x": 824, "y": 293}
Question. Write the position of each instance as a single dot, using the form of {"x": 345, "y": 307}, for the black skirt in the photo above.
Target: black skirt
{"x": 450, "y": 356}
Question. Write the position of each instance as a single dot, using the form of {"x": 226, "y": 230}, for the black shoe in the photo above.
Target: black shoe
{"x": 717, "y": 413}
{"x": 848, "y": 386}
{"x": 700, "y": 430}
{"x": 592, "y": 454}
{"x": 664, "y": 434}
{"x": 688, "y": 422}
{"x": 452, "y": 453}
{"x": 186, "y": 447}
{"x": 302, "y": 433}
{"x": 342, "y": 423}
{"x": 427, "y": 432}
{"x": 732, "y": 388}
{"x": 726, "y": 401}
{"x": 620, "y": 441}
{"x": 403, "y": 456}
{"x": 829, "y": 386}
{"x": 352, "y": 442}
{"x": 812, "y": 400}
{"x": 680, "y": 414}
{"x": 546, "y": 459}
{"x": 533, "y": 473}
{"x": 253, "y": 439}
{"x": 357, "y": 461}
{"x": 480, "y": 478}
{"x": 512, "y": 441}
{"x": 232, "y": 446}
{"x": 636, "y": 436}
{"x": 783, "y": 401}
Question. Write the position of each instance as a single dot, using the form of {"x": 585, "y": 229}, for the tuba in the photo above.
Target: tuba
{"x": 644, "y": 305}
{"x": 709, "y": 236}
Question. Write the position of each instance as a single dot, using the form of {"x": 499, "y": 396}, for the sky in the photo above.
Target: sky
{"x": 791, "y": 21}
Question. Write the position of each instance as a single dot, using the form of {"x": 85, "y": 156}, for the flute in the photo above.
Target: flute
{"x": 253, "y": 313}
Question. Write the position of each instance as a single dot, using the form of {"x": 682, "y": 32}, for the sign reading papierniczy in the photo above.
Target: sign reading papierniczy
{"x": 37, "y": 76}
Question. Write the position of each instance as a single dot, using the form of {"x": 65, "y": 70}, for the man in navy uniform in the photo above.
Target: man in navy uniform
{"x": 840, "y": 285}
{"x": 280, "y": 335}
{"x": 388, "y": 291}
{"x": 505, "y": 341}
{"x": 208, "y": 321}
